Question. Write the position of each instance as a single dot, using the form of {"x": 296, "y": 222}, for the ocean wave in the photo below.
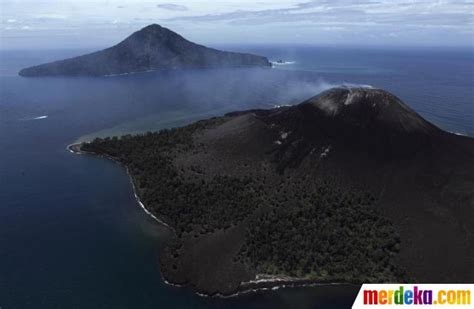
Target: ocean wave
{"x": 282, "y": 63}
{"x": 35, "y": 118}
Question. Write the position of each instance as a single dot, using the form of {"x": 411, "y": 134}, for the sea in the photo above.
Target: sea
{"x": 72, "y": 234}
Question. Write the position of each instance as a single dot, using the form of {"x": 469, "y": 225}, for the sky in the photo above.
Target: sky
{"x": 50, "y": 24}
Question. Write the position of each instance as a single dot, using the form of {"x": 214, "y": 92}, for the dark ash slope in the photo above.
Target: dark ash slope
{"x": 152, "y": 48}
{"x": 348, "y": 186}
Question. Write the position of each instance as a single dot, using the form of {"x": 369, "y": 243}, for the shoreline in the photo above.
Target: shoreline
{"x": 262, "y": 282}
{"x": 75, "y": 149}
{"x": 272, "y": 283}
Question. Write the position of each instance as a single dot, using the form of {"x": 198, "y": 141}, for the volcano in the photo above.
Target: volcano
{"x": 149, "y": 49}
{"x": 349, "y": 186}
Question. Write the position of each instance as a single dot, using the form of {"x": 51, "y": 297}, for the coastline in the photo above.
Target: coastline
{"x": 75, "y": 149}
{"x": 262, "y": 282}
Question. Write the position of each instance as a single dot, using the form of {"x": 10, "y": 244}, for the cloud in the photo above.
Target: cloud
{"x": 338, "y": 13}
{"x": 172, "y": 7}
{"x": 51, "y": 16}
{"x": 402, "y": 22}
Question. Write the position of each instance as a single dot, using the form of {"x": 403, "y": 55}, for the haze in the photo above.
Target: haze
{"x": 47, "y": 24}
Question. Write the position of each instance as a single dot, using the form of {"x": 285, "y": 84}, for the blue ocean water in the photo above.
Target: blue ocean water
{"x": 71, "y": 232}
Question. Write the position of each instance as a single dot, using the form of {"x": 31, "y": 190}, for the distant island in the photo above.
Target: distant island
{"x": 149, "y": 49}
{"x": 349, "y": 186}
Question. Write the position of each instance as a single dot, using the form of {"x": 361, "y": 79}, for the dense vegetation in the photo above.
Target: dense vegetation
{"x": 329, "y": 235}
{"x": 186, "y": 204}
{"x": 323, "y": 234}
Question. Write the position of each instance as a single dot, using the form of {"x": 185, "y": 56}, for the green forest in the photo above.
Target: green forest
{"x": 328, "y": 234}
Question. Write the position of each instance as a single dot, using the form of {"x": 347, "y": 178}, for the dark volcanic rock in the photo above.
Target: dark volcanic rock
{"x": 372, "y": 111}
{"x": 367, "y": 119}
{"x": 152, "y": 48}
{"x": 349, "y": 186}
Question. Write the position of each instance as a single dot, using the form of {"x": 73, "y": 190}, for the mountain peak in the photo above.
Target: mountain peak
{"x": 152, "y": 27}
{"x": 368, "y": 120}
{"x": 366, "y": 107}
